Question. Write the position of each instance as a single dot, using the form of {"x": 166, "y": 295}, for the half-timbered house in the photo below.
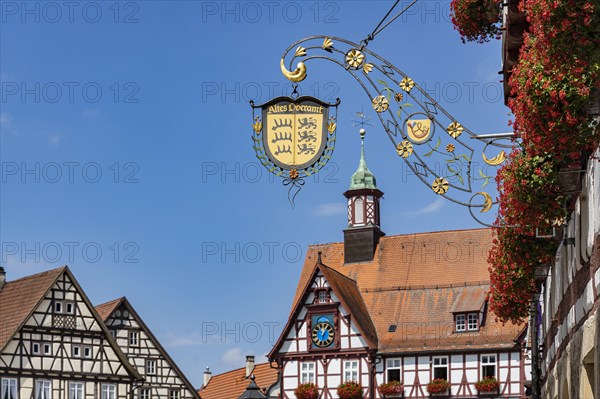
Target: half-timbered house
{"x": 162, "y": 377}
{"x": 408, "y": 308}
{"x": 53, "y": 344}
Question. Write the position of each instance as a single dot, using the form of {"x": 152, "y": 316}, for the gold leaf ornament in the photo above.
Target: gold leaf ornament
{"x": 355, "y": 58}
{"x": 367, "y": 68}
{"x": 327, "y": 44}
{"x": 298, "y": 75}
{"x": 380, "y": 104}
{"x": 455, "y": 129}
{"x": 300, "y": 52}
{"x": 404, "y": 149}
{"x": 257, "y": 125}
{"x": 440, "y": 186}
{"x": 331, "y": 126}
{"x": 487, "y": 204}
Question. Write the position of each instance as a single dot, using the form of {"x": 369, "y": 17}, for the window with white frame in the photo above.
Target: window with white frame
{"x": 8, "y": 388}
{"x": 440, "y": 367}
{"x": 393, "y": 367}
{"x": 472, "y": 322}
{"x": 359, "y": 211}
{"x": 47, "y": 349}
{"x": 150, "y": 366}
{"x": 58, "y": 307}
{"x": 488, "y": 366}
{"x": 36, "y": 348}
{"x": 76, "y": 390}
{"x": 70, "y": 307}
{"x": 144, "y": 393}
{"x": 351, "y": 370}
{"x": 174, "y": 394}
{"x": 108, "y": 391}
{"x": 42, "y": 389}
{"x": 134, "y": 338}
{"x": 76, "y": 350}
{"x": 322, "y": 296}
{"x": 460, "y": 323}
{"x": 307, "y": 373}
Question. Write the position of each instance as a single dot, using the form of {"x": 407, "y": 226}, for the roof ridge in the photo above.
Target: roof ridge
{"x": 339, "y": 273}
{"x": 427, "y": 287}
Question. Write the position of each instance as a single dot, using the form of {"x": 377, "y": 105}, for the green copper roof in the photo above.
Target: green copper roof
{"x": 363, "y": 178}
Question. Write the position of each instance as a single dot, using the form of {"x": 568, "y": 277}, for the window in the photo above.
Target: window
{"x": 35, "y": 348}
{"x": 58, "y": 307}
{"x": 8, "y": 388}
{"x": 322, "y": 296}
{"x": 488, "y": 366}
{"x": 440, "y": 367}
{"x": 76, "y": 351}
{"x": 150, "y": 366}
{"x": 351, "y": 370}
{"x": 393, "y": 370}
{"x": 472, "y": 324}
{"x": 42, "y": 389}
{"x": 359, "y": 211}
{"x": 460, "y": 323}
{"x": 307, "y": 373}
{"x": 144, "y": 393}
{"x": 109, "y": 391}
{"x": 87, "y": 352}
{"x": 173, "y": 394}
{"x": 113, "y": 333}
{"x": 75, "y": 390}
{"x": 70, "y": 308}
{"x": 47, "y": 349}
{"x": 134, "y": 338}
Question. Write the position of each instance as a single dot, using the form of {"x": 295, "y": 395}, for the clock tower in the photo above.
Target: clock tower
{"x": 363, "y": 232}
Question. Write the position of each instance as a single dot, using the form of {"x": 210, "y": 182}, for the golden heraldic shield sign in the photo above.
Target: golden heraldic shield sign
{"x": 295, "y": 133}
{"x": 294, "y": 137}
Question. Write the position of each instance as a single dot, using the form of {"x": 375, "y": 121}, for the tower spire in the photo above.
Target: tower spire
{"x": 363, "y": 178}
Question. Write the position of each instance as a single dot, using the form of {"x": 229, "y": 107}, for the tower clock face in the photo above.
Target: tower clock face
{"x": 323, "y": 332}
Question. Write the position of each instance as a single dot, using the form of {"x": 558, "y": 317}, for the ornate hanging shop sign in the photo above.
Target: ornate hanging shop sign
{"x": 294, "y": 137}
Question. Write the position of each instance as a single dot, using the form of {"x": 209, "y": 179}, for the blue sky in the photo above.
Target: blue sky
{"x": 126, "y": 153}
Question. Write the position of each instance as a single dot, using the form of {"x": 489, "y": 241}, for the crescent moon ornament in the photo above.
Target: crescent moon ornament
{"x": 487, "y": 205}
{"x": 298, "y": 75}
{"x": 495, "y": 161}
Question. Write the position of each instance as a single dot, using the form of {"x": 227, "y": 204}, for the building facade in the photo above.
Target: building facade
{"x": 409, "y": 308}
{"x": 570, "y": 330}
{"x": 55, "y": 345}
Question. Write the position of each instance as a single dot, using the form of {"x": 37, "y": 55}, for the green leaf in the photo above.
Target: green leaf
{"x": 466, "y": 158}
{"x": 481, "y": 173}
{"x": 462, "y": 181}
{"x": 428, "y": 154}
{"x": 451, "y": 169}
{"x": 383, "y": 82}
{"x": 485, "y": 183}
{"x": 438, "y": 143}
{"x": 407, "y": 105}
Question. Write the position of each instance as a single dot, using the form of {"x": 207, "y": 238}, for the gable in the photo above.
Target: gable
{"x": 64, "y": 323}
{"x": 334, "y": 300}
{"x": 121, "y": 318}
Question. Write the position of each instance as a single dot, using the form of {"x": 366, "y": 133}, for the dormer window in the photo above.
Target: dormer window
{"x": 466, "y": 322}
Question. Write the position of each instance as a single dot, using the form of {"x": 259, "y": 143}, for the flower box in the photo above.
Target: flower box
{"x": 307, "y": 391}
{"x": 438, "y": 387}
{"x": 350, "y": 390}
{"x": 392, "y": 389}
{"x": 487, "y": 387}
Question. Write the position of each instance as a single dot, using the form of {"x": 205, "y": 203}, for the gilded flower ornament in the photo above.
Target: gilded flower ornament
{"x": 398, "y": 97}
{"x": 380, "y": 104}
{"x": 355, "y": 58}
{"x": 450, "y": 148}
{"x": 404, "y": 149}
{"x": 407, "y": 84}
{"x": 293, "y": 174}
{"x": 440, "y": 186}
{"x": 367, "y": 68}
{"x": 455, "y": 129}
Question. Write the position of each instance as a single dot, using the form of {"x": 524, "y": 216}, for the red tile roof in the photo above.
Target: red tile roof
{"x": 19, "y": 298}
{"x": 232, "y": 384}
{"x": 106, "y": 309}
{"x": 414, "y": 282}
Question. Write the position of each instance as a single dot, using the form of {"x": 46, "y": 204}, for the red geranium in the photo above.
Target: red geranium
{"x": 476, "y": 20}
